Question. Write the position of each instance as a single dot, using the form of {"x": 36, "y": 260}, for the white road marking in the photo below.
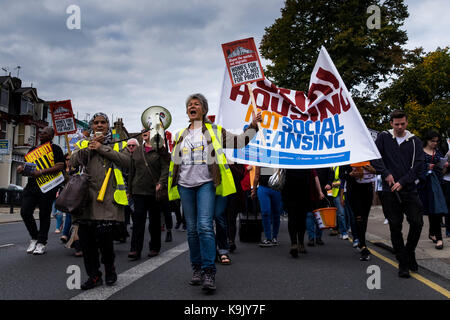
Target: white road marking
{"x": 128, "y": 277}
{"x": 6, "y": 245}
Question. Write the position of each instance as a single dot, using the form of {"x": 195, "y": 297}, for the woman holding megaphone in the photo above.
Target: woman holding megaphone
{"x": 102, "y": 160}
{"x": 200, "y": 176}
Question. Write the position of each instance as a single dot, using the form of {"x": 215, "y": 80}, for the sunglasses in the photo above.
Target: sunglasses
{"x": 132, "y": 145}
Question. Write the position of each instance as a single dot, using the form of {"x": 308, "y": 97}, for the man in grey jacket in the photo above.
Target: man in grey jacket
{"x": 400, "y": 166}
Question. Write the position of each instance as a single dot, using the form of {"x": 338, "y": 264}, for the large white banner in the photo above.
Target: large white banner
{"x": 320, "y": 129}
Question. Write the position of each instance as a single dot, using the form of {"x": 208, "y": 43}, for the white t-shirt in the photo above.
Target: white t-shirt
{"x": 400, "y": 140}
{"x": 194, "y": 160}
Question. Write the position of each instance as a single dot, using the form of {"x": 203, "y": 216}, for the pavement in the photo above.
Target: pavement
{"x": 378, "y": 234}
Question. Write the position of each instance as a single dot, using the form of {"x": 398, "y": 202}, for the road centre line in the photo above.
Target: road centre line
{"x": 128, "y": 277}
{"x": 417, "y": 276}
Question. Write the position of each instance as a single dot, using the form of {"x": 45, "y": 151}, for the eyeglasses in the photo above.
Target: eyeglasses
{"x": 131, "y": 145}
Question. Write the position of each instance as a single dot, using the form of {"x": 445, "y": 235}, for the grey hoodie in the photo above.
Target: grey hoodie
{"x": 405, "y": 162}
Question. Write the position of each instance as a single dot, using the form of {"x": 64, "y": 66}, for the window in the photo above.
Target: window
{"x": 21, "y": 134}
{"x": 32, "y": 139}
{"x": 4, "y": 100}
{"x": 3, "y": 129}
{"x": 26, "y": 107}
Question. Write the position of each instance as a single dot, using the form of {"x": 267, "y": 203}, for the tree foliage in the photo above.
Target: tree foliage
{"x": 364, "y": 57}
{"x": 423, "y": 91}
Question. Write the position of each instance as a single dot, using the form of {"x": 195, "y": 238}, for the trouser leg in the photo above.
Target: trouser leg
{"x": 89, "y": 246}
{"x": 29, "y": 203}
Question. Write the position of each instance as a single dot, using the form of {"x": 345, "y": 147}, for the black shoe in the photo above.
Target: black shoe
{"x": 320, "y": 242}
{"x": 92, "y": 282}
{"x": 153, "y": 253}
{"x": 403, "y": 267}
{"x": 169, "y": 236}
{"x": 232, "y": 247}
{"x": 209, "y": 280}
{"x": 110, "y": 275}
{"x": 197, "y": 277}
{"x": 133, "y": 256}
{"x": 365, "y": 254}
{"x": 294, "y": 251}
{"x": 412, "y": 263}
{"x": 177, "y": 225}
{"x": 301, "y": 248}
{"x": 310, "y": 243}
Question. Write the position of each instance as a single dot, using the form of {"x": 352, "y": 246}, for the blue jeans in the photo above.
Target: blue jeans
{"x": 314, "y": 231}
{"x": 67, "y": 225}
{"x": 340, "y": 215}
{"x": 350, "y": 218}
{"x": 270, "y": 203}
{"x": 58, "y": 216}
{"x": 198, "y": 208}
{"x": 221, "y": 224}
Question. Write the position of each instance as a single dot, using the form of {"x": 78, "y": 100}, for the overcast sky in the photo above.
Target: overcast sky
{"x": 129, "y": 55}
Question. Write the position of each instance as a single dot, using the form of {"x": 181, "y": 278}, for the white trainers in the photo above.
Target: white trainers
{"x": 32, "y": 246}
{"x": 40, "y": 249}
{"x": 386, "y": 221}
{"x": 345, "y": 237}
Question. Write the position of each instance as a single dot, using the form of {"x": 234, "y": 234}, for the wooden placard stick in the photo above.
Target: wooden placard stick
{"x": 255, "y": 112}
{"x": 68, "y": 144}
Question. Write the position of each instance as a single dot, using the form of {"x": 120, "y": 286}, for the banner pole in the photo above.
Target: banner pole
{"x": 255, "y": 111}
{"x": 68, "y": 144}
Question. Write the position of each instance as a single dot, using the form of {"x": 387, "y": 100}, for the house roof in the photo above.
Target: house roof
{"x": 4, "y": 79}
{"x": 26, "y": 90}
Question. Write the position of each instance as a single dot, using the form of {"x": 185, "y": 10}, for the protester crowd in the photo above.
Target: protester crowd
{"x": 207, "y": 193}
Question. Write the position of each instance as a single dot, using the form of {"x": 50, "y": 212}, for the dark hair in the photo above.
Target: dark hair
{"x": 430, "y": 135}
{"x": 398, "y": 114}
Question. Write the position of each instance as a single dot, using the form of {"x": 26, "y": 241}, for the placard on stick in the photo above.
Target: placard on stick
{"x": 243, "y": 62}
{"x": 244, "y": 67}
{"x": 62, "y": 117}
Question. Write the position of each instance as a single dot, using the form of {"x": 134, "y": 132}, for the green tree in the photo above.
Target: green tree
{"x": 423, "y": 91}
{"x": 364, "y": 57}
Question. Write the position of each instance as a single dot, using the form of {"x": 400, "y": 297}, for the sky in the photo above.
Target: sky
{"x": 129, "y": 55}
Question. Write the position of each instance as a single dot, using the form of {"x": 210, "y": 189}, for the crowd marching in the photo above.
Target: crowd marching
{"x": 207, "y": 192}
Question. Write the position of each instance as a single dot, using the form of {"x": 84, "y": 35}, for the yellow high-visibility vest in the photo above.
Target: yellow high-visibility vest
{"x": 226, "y": 186}
{"x": 120, "y": 194}
{"x": 336, "y": 179}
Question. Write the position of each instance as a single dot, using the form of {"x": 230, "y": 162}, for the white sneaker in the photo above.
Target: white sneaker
{"x": 345, "y": 237}
{"x": 386, "y": 221}
{"x": 32, "y": 246}
{"x": 40, "y": 249}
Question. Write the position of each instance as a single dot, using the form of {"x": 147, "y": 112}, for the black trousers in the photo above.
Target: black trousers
{"x": 165, "y": 208}
{"x": 296, "y": 223}
{"x": 143, "y": 205}
{"x": 175, "y": 207}
{"x": 435, "y": 221}
{"x": 360, "y": 198}
{"x": 411, "y": 206}
{"x": 31, "y": 199}
{"x": 231, "y": 212}
{"x": 96, "y": 238}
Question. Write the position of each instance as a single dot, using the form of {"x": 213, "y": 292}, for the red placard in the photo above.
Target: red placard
{"x": 243, "y": 62}
{"x": 62, "y": 117}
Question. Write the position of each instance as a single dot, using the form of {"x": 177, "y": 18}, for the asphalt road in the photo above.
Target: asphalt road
{"x": 329, "y": 272}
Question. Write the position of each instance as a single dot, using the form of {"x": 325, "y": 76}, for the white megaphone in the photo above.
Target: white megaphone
{"x": 156, "y": 119}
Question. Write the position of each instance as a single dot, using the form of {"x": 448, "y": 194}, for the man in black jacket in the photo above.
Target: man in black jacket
{"x": 400, "y": 166}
